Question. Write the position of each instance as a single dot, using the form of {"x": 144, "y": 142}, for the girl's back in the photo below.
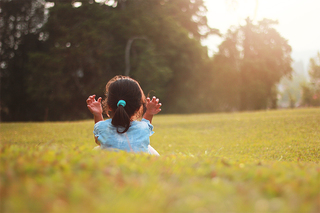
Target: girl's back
{"x": 135, "y": 139}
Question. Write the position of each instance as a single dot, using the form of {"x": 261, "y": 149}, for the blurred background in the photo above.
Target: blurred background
{"x": 195, "y": 55}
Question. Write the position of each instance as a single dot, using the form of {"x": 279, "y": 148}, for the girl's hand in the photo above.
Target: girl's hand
{"x": 153, "y": 106}
{"x": 94, "y": 105}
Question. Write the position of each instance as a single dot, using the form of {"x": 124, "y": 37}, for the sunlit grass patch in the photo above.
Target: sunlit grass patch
{"x": 240, "y": 162}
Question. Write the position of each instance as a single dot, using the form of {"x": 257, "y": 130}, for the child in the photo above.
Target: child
{"x": 125, "y": 103}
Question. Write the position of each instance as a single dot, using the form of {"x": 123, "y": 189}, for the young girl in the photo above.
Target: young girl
{"x": 125, "y": 103}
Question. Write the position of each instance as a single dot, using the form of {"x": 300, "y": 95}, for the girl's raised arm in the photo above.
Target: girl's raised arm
{"x": 95, "y": 108}
{"x": 153, "y": 107}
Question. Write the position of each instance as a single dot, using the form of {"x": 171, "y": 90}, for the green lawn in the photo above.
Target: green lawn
{"x": 239, "y": 162}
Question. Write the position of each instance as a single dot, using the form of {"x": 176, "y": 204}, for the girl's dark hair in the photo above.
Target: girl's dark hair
{"x": 129, "y": 90}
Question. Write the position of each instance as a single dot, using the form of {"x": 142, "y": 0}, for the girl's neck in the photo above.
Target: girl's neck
{"x": 134, "y": 118}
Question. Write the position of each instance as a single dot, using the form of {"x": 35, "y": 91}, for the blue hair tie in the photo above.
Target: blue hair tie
{"x": 122, "y": 103}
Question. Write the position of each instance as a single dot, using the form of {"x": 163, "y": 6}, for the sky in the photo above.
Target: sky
{"x": 299, "y": 22}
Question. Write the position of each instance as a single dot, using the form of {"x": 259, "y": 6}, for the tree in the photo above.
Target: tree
{"x": 86, "y": 46}
{"x": 75, "y": 62}
{"x": 20, "y": 23}
{"x": 258, "y": 57}
{"x": 311, "y": 91}
{"x": 225, "y": 75}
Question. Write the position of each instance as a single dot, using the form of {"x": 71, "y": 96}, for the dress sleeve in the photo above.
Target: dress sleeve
{"x": 96, "y": 131}
{"x": 150, "y": 126}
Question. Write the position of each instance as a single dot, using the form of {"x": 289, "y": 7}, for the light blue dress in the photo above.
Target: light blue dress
{"x": 136, "y": 139}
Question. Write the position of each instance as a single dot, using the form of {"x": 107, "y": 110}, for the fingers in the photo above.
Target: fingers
{"x": 91, "y": 99}
{"x": 154, "y": 100}
{"x": 154, "y": 103}
{"x": 88, "y": 100}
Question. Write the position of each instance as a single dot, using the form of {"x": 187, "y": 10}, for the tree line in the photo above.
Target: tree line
{"x": 53, "y": 58}
{"x": 311, "y": 90}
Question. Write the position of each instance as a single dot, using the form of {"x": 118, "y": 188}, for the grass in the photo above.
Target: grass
{"x": 239, "y": 162}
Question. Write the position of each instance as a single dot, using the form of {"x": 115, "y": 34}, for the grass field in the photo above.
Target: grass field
{"x": 239, "y": 162}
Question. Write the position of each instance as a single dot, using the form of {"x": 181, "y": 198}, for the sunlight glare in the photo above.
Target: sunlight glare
{"x": 297, "y": 20}
{"x": 77, "y": 4}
